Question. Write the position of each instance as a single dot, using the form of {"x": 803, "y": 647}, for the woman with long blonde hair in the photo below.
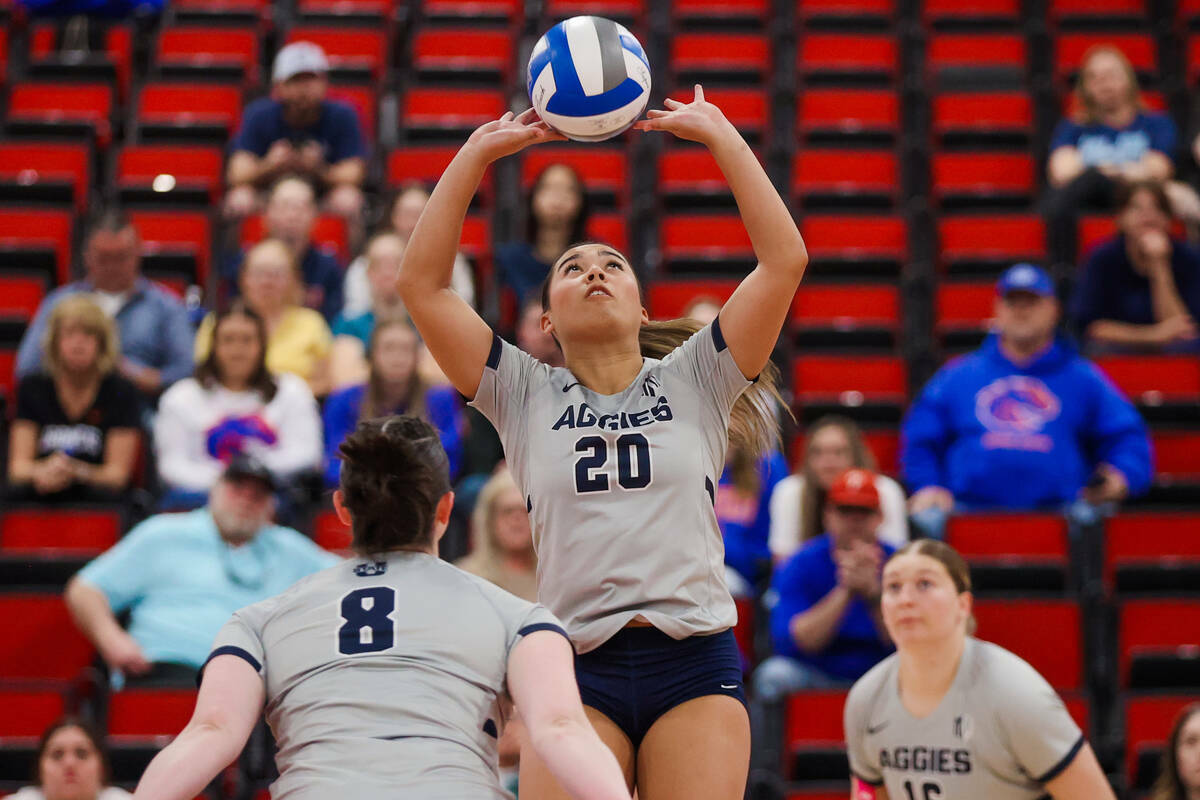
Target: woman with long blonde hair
{"x": 618, "y": 454}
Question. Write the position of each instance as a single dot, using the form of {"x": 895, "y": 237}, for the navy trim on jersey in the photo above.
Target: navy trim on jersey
{"x": 489, "y": 728}
{"x": 1057, "y": 769}
{"x": 228, "y": 650}
{"x": 544, "y": 626}
{"x": 493, "y": 361}
{"x": 864, "y": 780}
{"x": 718, "y": 337}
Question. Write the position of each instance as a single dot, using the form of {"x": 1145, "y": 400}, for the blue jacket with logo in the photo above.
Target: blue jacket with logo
{"x": 999, "y": 435}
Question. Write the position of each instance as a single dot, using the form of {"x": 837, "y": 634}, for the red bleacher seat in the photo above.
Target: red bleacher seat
{"x": 857, "y": 10}
{"x": 1139, "y": 48}
{"x": 330, "y": 533}
{"x": 884, "y": 444}
{"x": 32, "y": 167}
{"x": 870, "y": 378}
{"x": 38, "y": 231}
{"x": 463, "y": 49}
{"x": 974, "y": 50}
{"x": 506, "y": 10}
{"x": 747, "y": 109}
{"x": 1004, "y": 11}
{"x": 813, "y": 722}
{"x": 29, "y": 712}
{"x": 8, "y": 360}
{"x": 1095, "y": 229}
{"x": 179, "y": 108}
{"x": 987, "y": 239}
{"x": 426, "y": 164}
{"x": 450, "y": 109}
{"x": 1158, "y": 626}
{"x": 476, "y": 241}
{"x": 337, "y": 10}
{"x": 604, "y": 170}
{"x": 669, "y": 299}
{"x": 1147, "y": 539}
{"x": 1009, "y": 536}
{"x": 720, "y": 52}
{"x": 1053, "y": 646}
{"x": 847, "y": 111}
{"x": 117, "y": 50}
{"x": 845, "y": 173}
{"x": 609, "y": 228}
{"x": 705, "y": 236}
{"x": 201, "y": 50}
{"x": 743, "y": 631}
{"x": 962, "y": 306}
{"x": 1154, "y": 378}
{"x": 1148, "y": 721}
{"x": 690, "y": 170}
{"x": 20, "y": 295}
{"x": 149, "y": 713}
{"x": 187, "y": 233}
{"x": 982, "y": 113}
{"x": 223, "y": 10}
{"x": 353, "y": 50}
{"x": 720, "y": 9}
{"x": 846, "y": 306}
{"x": 364, "y": 101}
{"x": 982, "y": 177}
{"x": 189, "y": 168}
{"x": 29, "y": 619}
{"x": 84, "y": 532}
{"x": 855, "y": 238}
{"x": 1176, "y": 455}
{"x": 329, "y": 231}
{"x": 844, "y": 53}
{"x": 1085, "y": 10}
{"x": 63, "y": 105}
{"x": 3, "y": 55}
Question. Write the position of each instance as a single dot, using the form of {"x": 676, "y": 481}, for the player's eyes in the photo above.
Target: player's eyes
{"x": 924, "y": 583}
{"x": 616, "y": 264}
{"x": 892, "y": 587}
{"x": 570, "y": 267}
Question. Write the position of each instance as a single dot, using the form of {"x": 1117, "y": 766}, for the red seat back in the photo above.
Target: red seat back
{"x": 149, "y": 713}
{"x": 49, "y": 230}
{"x": 41, "y": 640}
{"x": 1156, "y": 625}
{"x": 61, "y": 531}
{"x": 1150, "y": 538}
{"x": 28, "y": 713}
{"x": 1053, "y": 646}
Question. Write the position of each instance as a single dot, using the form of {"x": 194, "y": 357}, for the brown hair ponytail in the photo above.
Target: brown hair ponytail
{"x": 753, "y": 422}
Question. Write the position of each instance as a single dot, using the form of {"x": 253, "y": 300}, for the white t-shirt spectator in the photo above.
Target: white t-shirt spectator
{"x": 356, "y": 295}
{"x": 285, "y": 434}
{"x": 786, "y": 515}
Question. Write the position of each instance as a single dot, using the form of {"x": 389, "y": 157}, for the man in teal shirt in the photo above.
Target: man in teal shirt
{"x": 181, "y": 576}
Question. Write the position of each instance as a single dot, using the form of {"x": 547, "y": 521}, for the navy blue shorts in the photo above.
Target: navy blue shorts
{"x": 641, "y": 673}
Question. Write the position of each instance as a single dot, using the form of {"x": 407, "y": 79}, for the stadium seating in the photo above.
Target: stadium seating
{"x": 205, "y": 53}
{"x": 604, "y": 170}
{"x": 991, "y": 243}
{"x": 175, "y": 244}
{"x": 192, "y": 112}
{"x": 1012, "y": 552}
{"x": 37, "y": 241}
{"x": 170, "y": 174}
{"x": 329, "y": 232}
{"x": 62, "y": 109}
{"x": 28, "y": 655}
{"x": 832, "y": 116}
{"x": 1153, "y": 553}
{"x": 813, "y": 736}
{"x": 854, "y": 59}
{"x": 1148, "y": 721}
{"x": 1053, "y": 646}
{"x": 28, "y": 712}
{"x": 45, "y": 172}
{"x": 845, "y": 179}
{"x": 1157, "y": 643}
{"x": 353, "y": 52}
{"x": 992, "y": 180}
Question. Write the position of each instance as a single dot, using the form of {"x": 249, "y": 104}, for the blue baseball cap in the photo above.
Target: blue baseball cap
{"x": 1025, "y": 278}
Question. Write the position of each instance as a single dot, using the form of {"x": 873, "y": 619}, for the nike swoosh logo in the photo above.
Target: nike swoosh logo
{"x": 723, "y": 686}
{"x": 871, "y": 731}
{"x": 570, "y": 386}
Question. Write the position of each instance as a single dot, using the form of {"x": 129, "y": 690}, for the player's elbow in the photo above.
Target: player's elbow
{"x": 552, "y": 731}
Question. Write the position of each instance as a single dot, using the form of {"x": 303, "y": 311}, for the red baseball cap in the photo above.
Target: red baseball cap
{"x": 855, "y": 487}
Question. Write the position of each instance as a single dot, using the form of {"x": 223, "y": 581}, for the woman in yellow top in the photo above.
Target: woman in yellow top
{"x": 298, "y": 339}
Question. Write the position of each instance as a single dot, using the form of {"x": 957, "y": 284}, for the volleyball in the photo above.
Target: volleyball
{"x": 589, "y": 78}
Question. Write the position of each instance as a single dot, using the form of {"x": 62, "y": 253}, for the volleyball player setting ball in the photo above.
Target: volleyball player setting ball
{"x": 383, "y": 676}
{"x": 949, "y": 716}
{"x": 619, "y": 453}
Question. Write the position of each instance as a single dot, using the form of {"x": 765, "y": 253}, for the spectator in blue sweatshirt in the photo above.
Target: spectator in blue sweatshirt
{"x": 826, "y": 630}
{"x": 1023, "y": 423}
{"x": 743, "y": 506}
{"x": 394, "y": 386}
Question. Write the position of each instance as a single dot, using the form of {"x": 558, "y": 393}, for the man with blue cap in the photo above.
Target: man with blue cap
{"x": 1023, "y": 423}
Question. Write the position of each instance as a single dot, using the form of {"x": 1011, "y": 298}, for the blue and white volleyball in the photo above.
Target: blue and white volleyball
{"x": 589, "y": 78}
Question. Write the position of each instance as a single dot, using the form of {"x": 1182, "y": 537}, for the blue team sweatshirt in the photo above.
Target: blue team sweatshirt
{"x": 999, "y": 435}
{"x": 746, "y": 520}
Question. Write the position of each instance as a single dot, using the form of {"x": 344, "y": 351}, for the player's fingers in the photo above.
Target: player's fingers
{"x": 646, "y": 125}
{"x": 506, "y": 116}
{"x": 527, "y": 116}
{"x": 672, "y": 104}
{"x": 655, "y": 113}
{"x": 699, "y": 93}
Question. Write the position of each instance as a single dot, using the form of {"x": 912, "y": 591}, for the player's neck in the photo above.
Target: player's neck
{"x": 605, "y": 367}
{"x": 926, "y": 673}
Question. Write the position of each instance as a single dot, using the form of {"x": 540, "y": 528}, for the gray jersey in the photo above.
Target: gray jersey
{"x": 1000, "y": 732}
{"x": 620, "y": 487}
{"x": 384, "y": 679}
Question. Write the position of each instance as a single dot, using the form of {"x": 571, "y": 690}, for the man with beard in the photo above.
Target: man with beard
{"x": 181, "y": 576}
{"x": 297, "y": 130}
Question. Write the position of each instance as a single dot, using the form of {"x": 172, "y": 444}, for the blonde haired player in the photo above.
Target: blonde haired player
{"x": 949, "y": 716}
{"x": 618, "y": 455}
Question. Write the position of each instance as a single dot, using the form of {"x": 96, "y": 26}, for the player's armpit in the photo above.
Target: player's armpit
{"x": 1081, "y": 779}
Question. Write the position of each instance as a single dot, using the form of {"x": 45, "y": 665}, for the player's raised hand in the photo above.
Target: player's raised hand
{"x": 511, "y": 134}
{"x": 697, "y": 121}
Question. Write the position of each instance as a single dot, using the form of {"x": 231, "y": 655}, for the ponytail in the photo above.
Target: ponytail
{"x": 753, "y": 422}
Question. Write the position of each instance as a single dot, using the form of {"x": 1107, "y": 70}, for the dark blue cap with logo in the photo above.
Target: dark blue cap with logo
{"x": 1025, "y": 278}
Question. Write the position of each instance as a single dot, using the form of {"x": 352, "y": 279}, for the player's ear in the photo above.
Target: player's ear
{"x": 547, "y": 323}
{"x": 645, "y": 316}
{"x": 339, "y": 507}
{"x": 444, "y": 507}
